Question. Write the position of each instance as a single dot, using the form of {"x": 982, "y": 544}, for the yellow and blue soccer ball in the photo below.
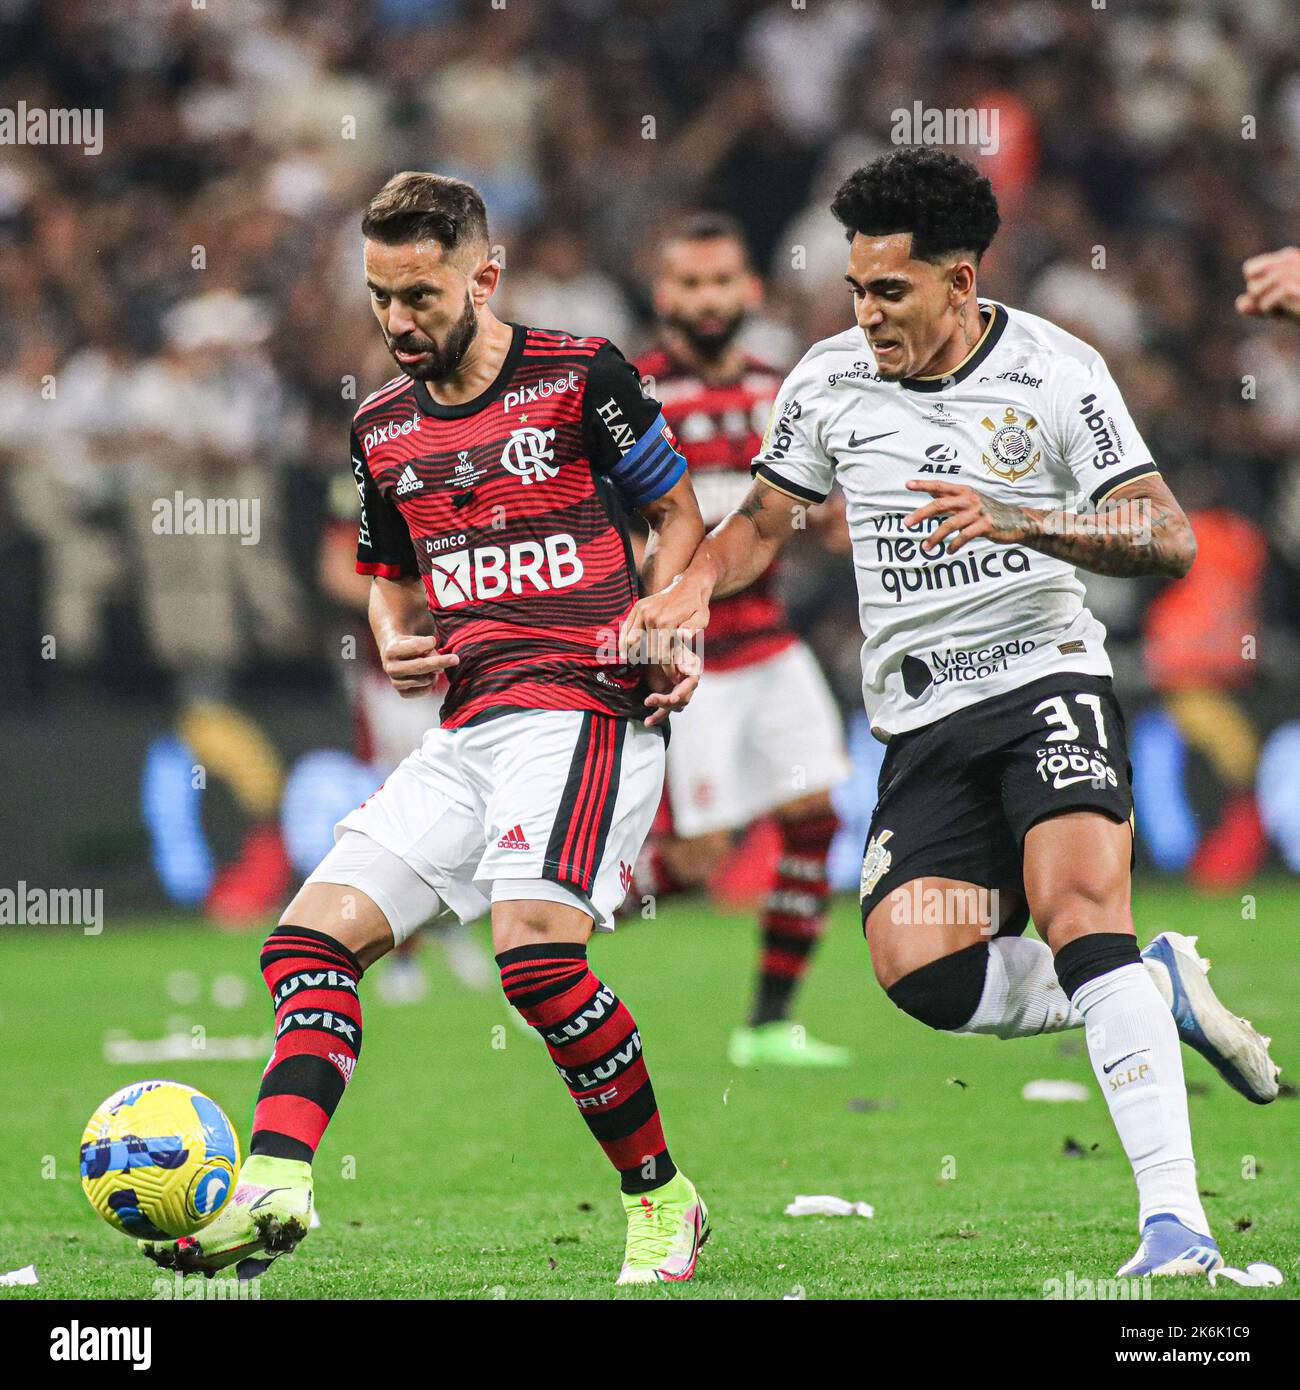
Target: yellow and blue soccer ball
{"x": 159, "y": 1160}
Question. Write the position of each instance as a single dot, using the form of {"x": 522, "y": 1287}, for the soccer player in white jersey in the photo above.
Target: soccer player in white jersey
{"x": 984, "y": 454}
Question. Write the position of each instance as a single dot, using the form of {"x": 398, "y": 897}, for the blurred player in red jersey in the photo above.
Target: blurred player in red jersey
{"x": 386, "y": 729}
{"x": 763, "y": 735}
{"x": 492, "y": 474}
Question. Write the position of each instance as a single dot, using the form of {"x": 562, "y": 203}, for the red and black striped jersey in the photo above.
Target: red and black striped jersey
{"x": 720, "y": 428}
{"x": 510, "y": 509}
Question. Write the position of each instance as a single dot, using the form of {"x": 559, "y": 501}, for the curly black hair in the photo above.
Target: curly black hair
{"x": 944, "y": 201}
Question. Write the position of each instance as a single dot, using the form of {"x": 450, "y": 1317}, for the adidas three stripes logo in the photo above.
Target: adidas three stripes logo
{"x": 408, "y": 482}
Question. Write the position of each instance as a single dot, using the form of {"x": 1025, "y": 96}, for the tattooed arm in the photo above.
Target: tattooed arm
{"x": 729, "y": 559}
{"x": 1138, "y": 530}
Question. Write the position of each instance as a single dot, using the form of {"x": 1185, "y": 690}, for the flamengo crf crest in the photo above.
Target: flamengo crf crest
{"x": 528, "y": 454}
{"x": 1012, "y": 445}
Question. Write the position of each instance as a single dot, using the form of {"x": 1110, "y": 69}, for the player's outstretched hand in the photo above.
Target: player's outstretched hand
{"x": 673, "y": 685}
{"x": 680, "y": 608}
{"x": 968, "y": 514}
{"x": 1272, "y": 284}
{"x": 413, "y": 664}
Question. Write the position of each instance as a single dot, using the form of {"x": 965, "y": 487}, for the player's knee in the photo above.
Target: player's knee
{"x": 555, "y": 917}
{"x": 343, "y": 915}
{"x": 945, "y": 993}
{"x": 692, "y": 862}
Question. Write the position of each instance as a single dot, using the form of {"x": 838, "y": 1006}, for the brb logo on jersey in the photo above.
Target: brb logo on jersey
{"x": 529, "y": 454}
{"x": 489, "y": 571}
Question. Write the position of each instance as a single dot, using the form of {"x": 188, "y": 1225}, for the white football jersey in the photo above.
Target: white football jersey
{"x": 1031, "y": 417}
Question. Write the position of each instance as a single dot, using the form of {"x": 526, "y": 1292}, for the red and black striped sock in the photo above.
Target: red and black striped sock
{"x": 794, "y": 915}
{"x": 594, "y": 1043}
{"x": 313, "y": 983}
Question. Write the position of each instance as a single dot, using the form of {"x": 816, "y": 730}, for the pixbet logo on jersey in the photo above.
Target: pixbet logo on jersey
{"x": 528, "y": 395}
{"x": 381, "y": 433}
{"x": 489, "y": 571}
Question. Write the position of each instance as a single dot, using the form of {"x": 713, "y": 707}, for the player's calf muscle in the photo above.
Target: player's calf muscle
{"x": 347, "y": 914}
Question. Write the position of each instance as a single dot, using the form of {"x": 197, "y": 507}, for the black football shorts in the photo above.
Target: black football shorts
{"x": 957, "y": 797}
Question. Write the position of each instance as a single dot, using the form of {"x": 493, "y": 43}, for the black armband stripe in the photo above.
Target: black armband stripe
{"x": 1130, "y": 475}
{"x": 795, "y": 490}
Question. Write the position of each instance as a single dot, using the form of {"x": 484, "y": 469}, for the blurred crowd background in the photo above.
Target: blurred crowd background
{"x": 185, "y": 311}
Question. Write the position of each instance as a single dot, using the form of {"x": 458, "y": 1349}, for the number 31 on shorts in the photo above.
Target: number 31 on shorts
{"x": 1057, "y": 714}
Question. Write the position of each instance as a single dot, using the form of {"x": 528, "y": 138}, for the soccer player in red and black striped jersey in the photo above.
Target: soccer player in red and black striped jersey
{"x": 763, "y": 736}
{"x": 493, "y": 474}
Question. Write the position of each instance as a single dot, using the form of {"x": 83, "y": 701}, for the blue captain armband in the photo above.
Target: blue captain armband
{"x": 650, "y": 467}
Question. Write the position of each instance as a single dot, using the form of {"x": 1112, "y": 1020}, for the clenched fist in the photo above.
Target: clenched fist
{"x": 1272, "y": 284}
{"x": 413, "y": 664}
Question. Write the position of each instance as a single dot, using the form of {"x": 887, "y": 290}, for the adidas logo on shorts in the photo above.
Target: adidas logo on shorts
{"x": 408, "y": 482}
{"x": 514, "y": 839}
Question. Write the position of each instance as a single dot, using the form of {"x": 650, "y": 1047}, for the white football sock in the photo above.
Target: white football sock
{"x": 1135, "y": 1052}
{"x": 1022, "y": 996}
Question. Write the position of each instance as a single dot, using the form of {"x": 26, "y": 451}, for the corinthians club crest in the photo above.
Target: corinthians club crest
{"x": 1012, "y": 446}
{"x": 876, "y": 862}
{"x": 528, "y": 454}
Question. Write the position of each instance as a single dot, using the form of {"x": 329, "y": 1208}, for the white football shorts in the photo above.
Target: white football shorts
{"x": 751, "y": 740}
{"x": 541, "y": 804}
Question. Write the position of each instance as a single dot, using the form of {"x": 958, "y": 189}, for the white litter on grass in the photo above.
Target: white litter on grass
{"x": 1054, "y": 1091}
{"x": 176, "y": 1046}
{"x": 828, "y": 1206}
{"x": 25, "y": 1275}
{"x": 1257, "y": 1275}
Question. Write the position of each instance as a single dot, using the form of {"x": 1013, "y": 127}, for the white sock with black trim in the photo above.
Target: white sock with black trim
{"x": 1138, "y": 1062}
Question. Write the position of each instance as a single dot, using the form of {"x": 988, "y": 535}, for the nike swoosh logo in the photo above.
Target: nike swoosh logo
{"x": 1070, "y": 781}
{"x": 1122, "y": 1060}
{"x": 856, "y": 443}
{"x": 269, "y": 1193}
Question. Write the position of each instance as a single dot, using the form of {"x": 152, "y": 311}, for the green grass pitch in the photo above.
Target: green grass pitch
{"x": 457, "y": 1168}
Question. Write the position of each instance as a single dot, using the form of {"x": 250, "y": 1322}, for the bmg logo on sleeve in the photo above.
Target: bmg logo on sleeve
{"x": 1105, "y": 433}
